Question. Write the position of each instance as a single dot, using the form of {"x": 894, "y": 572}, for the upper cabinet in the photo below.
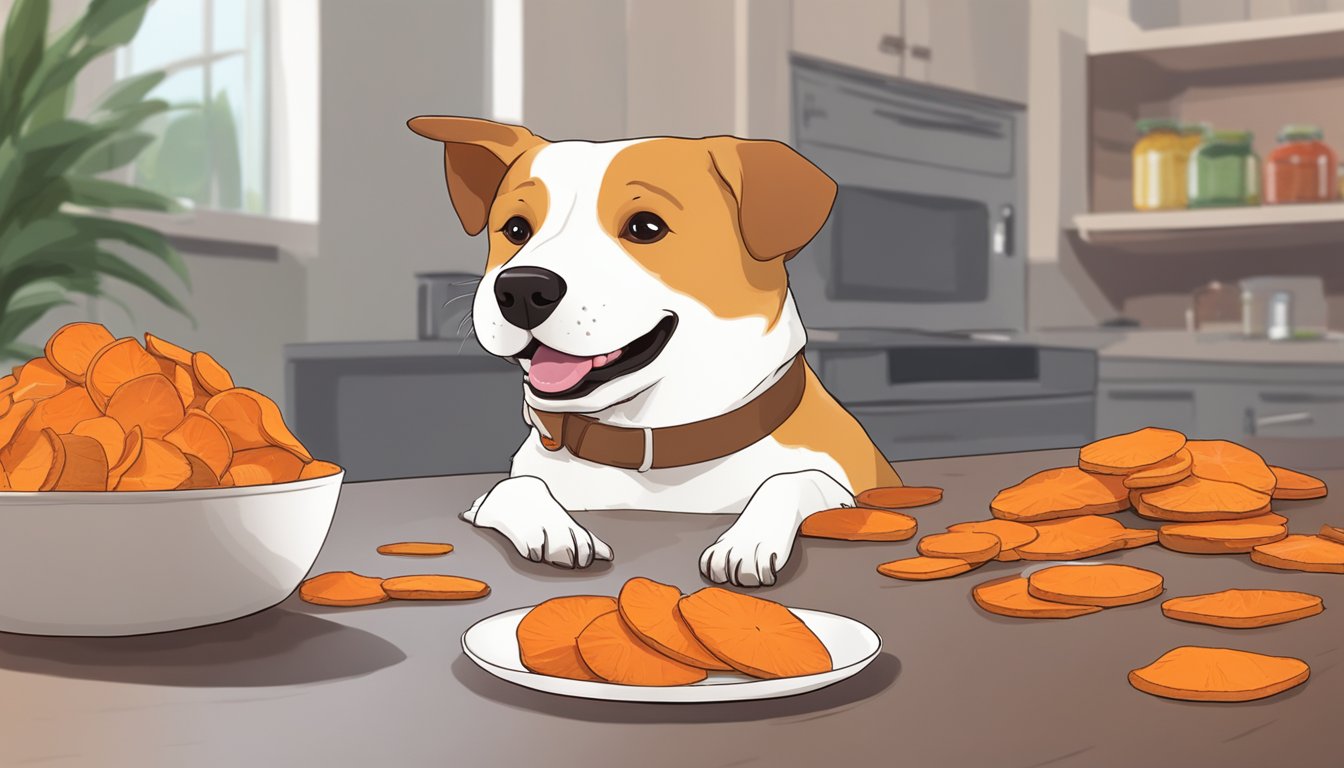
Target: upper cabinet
{"x": 977, "y": 46}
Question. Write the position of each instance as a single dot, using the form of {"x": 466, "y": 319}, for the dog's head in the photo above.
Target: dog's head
{"x": 619, "y": 267}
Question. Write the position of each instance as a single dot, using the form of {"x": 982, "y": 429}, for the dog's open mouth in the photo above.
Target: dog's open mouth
{"x": 556, "y": 375}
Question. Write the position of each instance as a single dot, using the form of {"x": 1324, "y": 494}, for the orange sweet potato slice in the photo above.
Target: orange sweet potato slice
{"x": 280, "y": 465}
{"x": 1192, "y": 673}
{"x": 159, "y": 467}
{"x": 63, "y": 411}
{"x": 116, "y": 364}
{"x": 167, "y": 350}
{"x": 13, "y": 420}
{"x": 649, "y": 609}
{"x": 1291, "y": 484}
{"x": 859, "y": 524}
{"x": 149, "y": 402}
{"x": 974, "y": 548}
{"x": 253, "y": 420}
{"x": 1218, "y": 538}
{"x": 899, "y": 497}
{"x": 130, "y": 452}
{"x": 1332, "y": 533}
{"x": 1077, "y": 538}
{"x": 318, "y": 468}
{"x": 757, "y": 637}
{"x": 1009, "y": 597}
{"x": 342, "y": 588}
{"x": 1200, "y": 500}
{"x": 212, "y": 376}
{"x": 198, "y": 433}
{"x": 7, "y": 384}
{"x": 923, "y": 568}
{"x": 1168, "y": 471}
{"x": 1302, "y": 553}
{"x": 38, "y": 379}
{"x": 72, "y": 347}
{"x": 109, "y": 434}
{"x": 616, "y": 654}
{"x": 202, "y": 476}
{"x": 185, "y": 384}
{"x": 1011, "y": 535}
{"x": 548, "y": 635}
{"x": 1062, "y": 492}
{"x": 84, "y": 465}
{"x": 1228, "y": 462}
{"x": 434, "y": 587}
{"x": 246, "y": 474}
{"x": 1106, "y": 585}
{"x": 415, "y": 549}
{"x": 1244, "y": 608}
{"x": 36, "y": 462}
{"x": 1128, "y": 453}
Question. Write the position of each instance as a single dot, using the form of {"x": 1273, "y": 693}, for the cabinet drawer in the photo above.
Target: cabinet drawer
{"x": 928, "y": 430}
{"x": 1123, "y": 409}
{"x": 1295, "y": 413}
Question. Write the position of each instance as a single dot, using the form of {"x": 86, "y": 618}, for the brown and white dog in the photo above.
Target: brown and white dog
{"x": 641, "y": 287}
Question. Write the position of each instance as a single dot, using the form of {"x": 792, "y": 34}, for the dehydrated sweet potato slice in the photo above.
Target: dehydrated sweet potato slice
{"x": 434, "y": 587}
{"x": 548, "y": 635}
{"x": 1291, "y": 484}
{"x": 167, "y": 350}
{"x": 758, "y": 637}
{"x": 1218, "y": 538}
{"x": 159, "y": 467}
{"x": 149, "y": 402}
{"x": 1302, "y": 553}
{"x": 13, "y": 420}
{"x": 198, "y": 433}
{"x": 202, "y": 476}
{"x": 109, "y": 434}
{"x": 72, "y": 347}
{"x": 246, "y": 474}
{"x": 318, "y": 468}
{"x": 1171, "y": 470}
{"x": 649, "y": 609}
{"x": 213, "y": 376}
{"x": 253, "y": 420}
{"x": 1244, "y": 608}
{"x": 859, "y": 524}
{"x": 924, "y": 568}
{"x": 280, "y": 465}
{"x": 116, "y": 364}
{"x": 130, "y": 451}
{"x": 185, "y": 384}
{"x": 1131, "y": 452}
{"x": 1076, "y": 538}
{"x": 1106, "y": 585}
{"x": 84, "y": 466}
{"x": 415, "y": 549}
{"x": 36, "y": 462}
{"x": 7, "y": 384}
{"x": 899, "y": 496}
{"x": 1009, "y": 597}
{"x": 1332, "y": 533}
{"x": 1061, "y": 492}
{"x": 1200, "y": 500}
{"x": 63, "y": 411}
{"x": 972, "y": 547}
{"x": 1193, "y": 673}
{"x": 38, "y": 379}
{"x": 1228, "y": 462}
{"x": 1011, "y": 535}
{"x": 342, "y": 588}
{"x": 616, "y": 654}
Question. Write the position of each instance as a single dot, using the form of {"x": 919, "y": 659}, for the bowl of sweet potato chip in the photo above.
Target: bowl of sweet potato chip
{"x": 142, "y": 490}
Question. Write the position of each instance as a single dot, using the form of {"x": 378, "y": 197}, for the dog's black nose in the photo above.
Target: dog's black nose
{"x": 528, "y": 295}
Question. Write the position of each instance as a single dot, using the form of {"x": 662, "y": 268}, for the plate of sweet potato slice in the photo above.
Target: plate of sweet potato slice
{"x": 651, "y": 643}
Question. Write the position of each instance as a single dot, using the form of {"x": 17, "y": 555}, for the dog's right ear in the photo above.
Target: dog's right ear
{"x": 476, "y": 155}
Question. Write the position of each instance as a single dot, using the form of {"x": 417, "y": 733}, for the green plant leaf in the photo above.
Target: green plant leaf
{"x": 136, "y": 236}
{"x": 228, "y": 167}
{"x": 177, "y": 165}
{"x": 131, "y": 91}
{"x": 101, "y": 193}
{"x": 17, "y": 351}
{"x": 114, "y": 266}
{"x": 115, "y": 152}
{"x": 110, "y": 23}
{"x": 44, "y": 234}
{"x": 25, "y": 36}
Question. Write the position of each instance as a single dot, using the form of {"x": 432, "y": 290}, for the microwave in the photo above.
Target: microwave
{"x": 927, "y": 228}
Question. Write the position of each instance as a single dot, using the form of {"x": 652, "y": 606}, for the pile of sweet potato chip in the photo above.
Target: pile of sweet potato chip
{"x": 96, "y": 413}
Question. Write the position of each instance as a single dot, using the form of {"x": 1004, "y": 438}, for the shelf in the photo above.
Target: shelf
{"x": 1216, "y": 228}
{"x": 1284, "y": 40}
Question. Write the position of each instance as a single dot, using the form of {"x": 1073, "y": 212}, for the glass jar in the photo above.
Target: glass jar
{"x": 1159, "y": 166}
{"x": 1301, "y": 169}
{"x": 1224, "y": 170}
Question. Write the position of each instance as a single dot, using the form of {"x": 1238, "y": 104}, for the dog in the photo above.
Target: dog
{"x": 641, "y": 287}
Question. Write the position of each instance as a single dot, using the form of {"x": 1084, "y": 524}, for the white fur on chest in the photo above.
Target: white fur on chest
{"x": 721, "y": 486}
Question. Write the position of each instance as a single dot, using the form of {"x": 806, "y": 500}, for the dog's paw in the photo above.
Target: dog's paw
{"x": 745, "y": 559}
{"x": 469, "y": 514}
{"x": 523, "y": 509}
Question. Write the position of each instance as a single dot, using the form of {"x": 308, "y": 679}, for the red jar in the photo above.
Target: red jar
{"x": 1301, "y": 169}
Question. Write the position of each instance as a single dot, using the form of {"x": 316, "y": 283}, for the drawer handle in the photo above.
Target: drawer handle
{"x": 1255, "y": 423}
{"x": 891, "y": 44}
{"x": 923, "y": 52}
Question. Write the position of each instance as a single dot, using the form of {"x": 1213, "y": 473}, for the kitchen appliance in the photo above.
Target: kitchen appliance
{"x": 1302, "y": 312}
{"x": 443, "y": 300}
{"x": 926, "y": 230}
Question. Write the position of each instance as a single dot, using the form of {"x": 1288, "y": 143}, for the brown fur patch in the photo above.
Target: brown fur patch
{"x": 821, "y": 424}
{"x": 519, "y": 195}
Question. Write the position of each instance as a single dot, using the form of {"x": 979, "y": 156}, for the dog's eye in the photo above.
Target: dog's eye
{"x": 517, "y": 230}
{"x": 644, "y": 227}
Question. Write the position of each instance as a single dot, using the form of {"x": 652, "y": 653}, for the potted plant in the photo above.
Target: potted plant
{"x": 53, "y": 241}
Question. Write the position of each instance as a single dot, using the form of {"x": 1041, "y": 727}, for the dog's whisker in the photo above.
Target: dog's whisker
{"x": 461, "y": 346}
{"x": 464, "y": 321}
{"x": 455, "y": 298}
{"x": 472, "y": 281}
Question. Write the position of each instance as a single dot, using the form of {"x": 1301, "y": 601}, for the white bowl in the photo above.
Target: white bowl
{"x": 128, "y": 563}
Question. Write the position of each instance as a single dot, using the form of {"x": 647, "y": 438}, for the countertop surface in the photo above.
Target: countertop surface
{"x": 303, "y": 685}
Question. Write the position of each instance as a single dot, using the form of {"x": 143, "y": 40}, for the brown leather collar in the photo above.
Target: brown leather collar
{"x": 664, "y": 447}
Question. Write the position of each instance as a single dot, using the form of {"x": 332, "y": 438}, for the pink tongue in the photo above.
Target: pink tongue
{"x": 555, "y": 371}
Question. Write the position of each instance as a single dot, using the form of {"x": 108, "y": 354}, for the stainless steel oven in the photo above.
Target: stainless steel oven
{"x": 926, "y": 230}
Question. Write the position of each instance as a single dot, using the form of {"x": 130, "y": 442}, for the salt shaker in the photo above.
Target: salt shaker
{"x": 1279, "y": 323}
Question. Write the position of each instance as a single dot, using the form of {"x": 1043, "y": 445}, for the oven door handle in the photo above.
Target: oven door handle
{"x": 1003, "y": 232}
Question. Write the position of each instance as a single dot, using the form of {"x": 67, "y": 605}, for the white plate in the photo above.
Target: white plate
{"x": 493, "y": 644}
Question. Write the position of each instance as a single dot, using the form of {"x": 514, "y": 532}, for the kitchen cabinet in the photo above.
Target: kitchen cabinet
{"x": 977, "y": 46}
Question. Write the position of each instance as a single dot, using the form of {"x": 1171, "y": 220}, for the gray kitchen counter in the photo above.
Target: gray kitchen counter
{"x": 302, "y": 685}
{"x": 1185, "y": 346}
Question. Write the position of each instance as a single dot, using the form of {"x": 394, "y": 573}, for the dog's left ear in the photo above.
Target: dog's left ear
{"x": 782, "y": 198}
{"x": 476, "y": 155}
